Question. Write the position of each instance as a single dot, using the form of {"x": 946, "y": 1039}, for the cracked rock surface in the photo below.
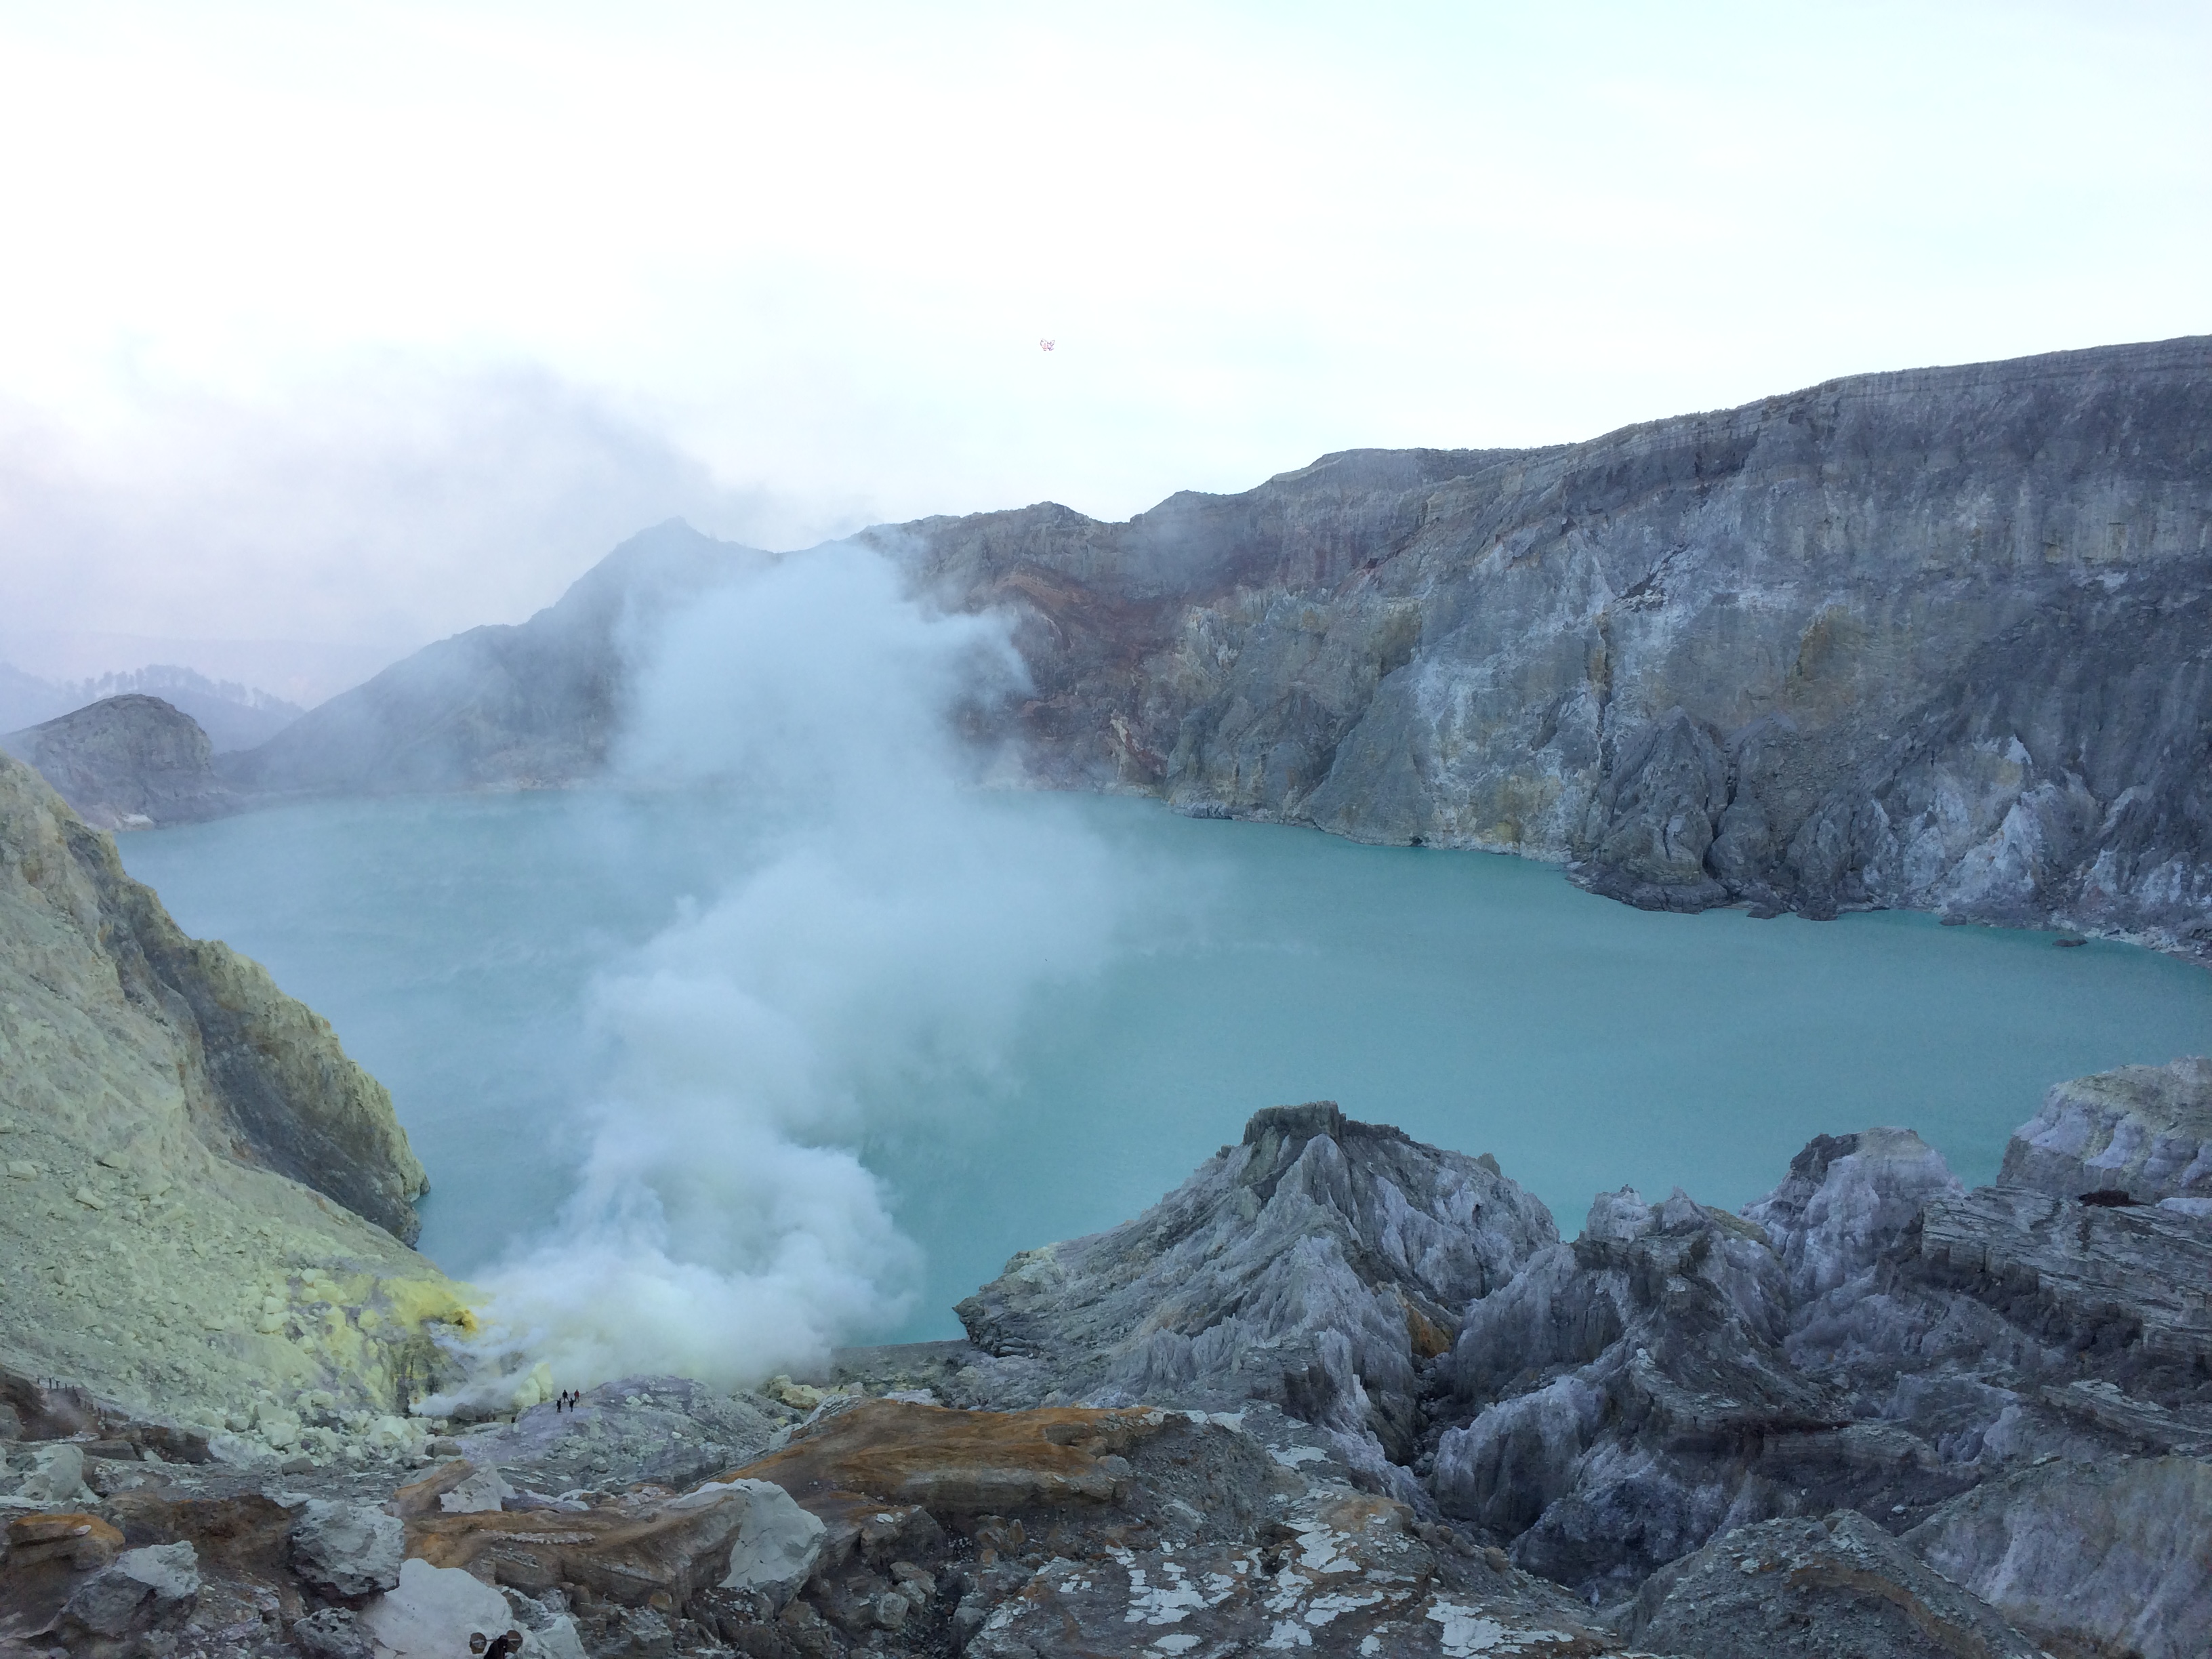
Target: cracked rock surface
{"x": 1876, "y": 1414}
{"x": 1320, "y": 1263}
{"x": 1836, "y": 1586}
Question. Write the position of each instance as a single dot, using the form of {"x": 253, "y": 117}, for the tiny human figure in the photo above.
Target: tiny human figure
{"x": 509, "y": 1644}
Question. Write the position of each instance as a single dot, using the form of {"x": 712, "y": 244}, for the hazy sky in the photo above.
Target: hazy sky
{"x": 364, "y": 322}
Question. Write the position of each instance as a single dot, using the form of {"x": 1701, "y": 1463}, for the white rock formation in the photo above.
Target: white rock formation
{"x": 2142, "y": 1130}
{"x": 433, "y": 1611}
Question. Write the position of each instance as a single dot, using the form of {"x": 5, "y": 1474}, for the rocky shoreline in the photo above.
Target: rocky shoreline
{"x": 1924, "y": 640}
{"x": 1340, "y": 1392}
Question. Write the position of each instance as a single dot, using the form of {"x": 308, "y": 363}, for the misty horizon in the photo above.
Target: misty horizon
{"x": 817, "y": 277}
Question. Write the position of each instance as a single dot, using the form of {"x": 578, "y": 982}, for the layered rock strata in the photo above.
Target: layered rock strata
{"x": 1320, "y": 1263}
{"x": 199, "y": 1192}
{"x": 1929, "y": 639}
{"x": 2144, "y": 1132}
{"x": 128, "y": 762}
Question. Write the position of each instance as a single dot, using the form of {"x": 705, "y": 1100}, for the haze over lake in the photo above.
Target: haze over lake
{"x": 1478, "y": 1002}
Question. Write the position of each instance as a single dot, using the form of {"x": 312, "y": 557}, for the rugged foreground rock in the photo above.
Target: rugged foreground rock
{"x": 128, "y": 762}
{"x": 1342, "y": 1393}
{"x": 202, "y": 1201}
{"x": 1320, "y": 1264}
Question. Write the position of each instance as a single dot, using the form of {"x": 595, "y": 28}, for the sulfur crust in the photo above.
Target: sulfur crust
{"x": 141, "y": 1261}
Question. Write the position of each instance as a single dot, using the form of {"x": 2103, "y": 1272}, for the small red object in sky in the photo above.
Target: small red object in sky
{"x": 1044, "y": 345}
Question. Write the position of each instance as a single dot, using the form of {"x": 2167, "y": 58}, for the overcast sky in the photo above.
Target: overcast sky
{"x": 360, "y": 324}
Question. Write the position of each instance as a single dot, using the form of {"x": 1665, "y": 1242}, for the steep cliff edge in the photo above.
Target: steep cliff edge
{"x": 176, "y": 1130}
{"x": 1939, "y": 639}
{"x": 127, "y": 763}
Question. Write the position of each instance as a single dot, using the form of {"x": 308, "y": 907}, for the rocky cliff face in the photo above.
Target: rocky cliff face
{"x": 127, "y": 763}
{"x": 1933, "y": 639}
{"x": 205, "y": 1198}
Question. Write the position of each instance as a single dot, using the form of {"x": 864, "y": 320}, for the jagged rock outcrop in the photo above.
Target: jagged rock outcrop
{"x": 1631, "y": 1396}
{"x": 1870, "y": 1337}
{"x": 1876, "y": 1414}
{"x": 1836, "y": 1586}
{"x": 1933, "y": 639}
{"x": 2143, "y": 1131}
{"x": 128, "y": 762}
{"x": 1320, "y": 1264}
{"x": 2110, "y": 1556}
{"x": 199, "y": 1192}
{"x": 1847, "y": 1199}
{"x": 529, "y": 705}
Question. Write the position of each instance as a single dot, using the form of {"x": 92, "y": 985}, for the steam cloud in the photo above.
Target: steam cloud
{"x": 889, "y": 926}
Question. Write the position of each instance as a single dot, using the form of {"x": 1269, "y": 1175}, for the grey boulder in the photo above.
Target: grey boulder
{"x": 1834, "y": 1587}
{"x": 138, "y": 1590}
{"x": 777, "y": 1544}
{"x": 348, "y": 1549}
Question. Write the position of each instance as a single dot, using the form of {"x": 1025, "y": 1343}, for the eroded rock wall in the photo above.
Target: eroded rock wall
{"x": 1933, "y": 639}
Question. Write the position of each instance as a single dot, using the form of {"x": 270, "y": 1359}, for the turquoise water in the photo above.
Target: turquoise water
{"x": 1478, "y": 1002}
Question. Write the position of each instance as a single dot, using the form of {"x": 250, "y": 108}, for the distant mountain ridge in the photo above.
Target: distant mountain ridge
{"x": 1935, "y": 639}
{"x": 234, "y": 716}
{"x": 526, "y": 705}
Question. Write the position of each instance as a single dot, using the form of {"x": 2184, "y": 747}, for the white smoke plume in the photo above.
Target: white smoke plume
{"x": 881, "y": 941}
